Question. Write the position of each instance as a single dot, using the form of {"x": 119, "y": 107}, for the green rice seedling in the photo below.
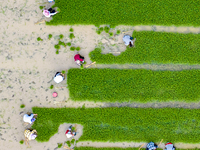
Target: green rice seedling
{"x": 57, "y": 46}
{"x": 63, "y": 71}
{"x": 71, "y": 30}
{"x": 59, "y": 145}
{"x": 69, "y": 44}
{"x": 118, "y": 32}
{"x": 71, "y": 36}
{"x": 72, "y": 48}
{"x": 98, "y": 31}
{"x": 124, "y": 124}
{"x": 116, "y": 85}
{"x": 129, "y": 12}
{"x": 41, "y": 7}
{"x": 39, "y": 39}
{"x": 21, "y": 142}
{"x": 51, "y": 87}
{"x": 106, "y": 29}
{"x": 50, "y": 36}
{"x": 155, "y": 47}
{"x": 61, "y": 36}
{"x": 22, "y": 106}
{"x": 111, "y": 34}
{"x": 57, "y": 51}
{"x": 78, "y": 48}
{"x": 81, "y": 66}
{"x": 68, "y": 143}
{"x": 72, "y": 141}
{"x": 61, "y": 43}
{"x": 101, "y": 29}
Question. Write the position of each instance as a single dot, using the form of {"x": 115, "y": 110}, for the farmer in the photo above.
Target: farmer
{"x": 30, "y": 134}
{"x": 128, "y": 40}
{"x": 59, "y": 77}
{"x": 50, "y": 1}
{"x": 151, "y": 146}
{"x": 50, "y": 12}
{"x": 79, "y": 59}
{"x": 69, "y": 133}
{"x": 29, "y": 118}
{"x": 169, "y": 146}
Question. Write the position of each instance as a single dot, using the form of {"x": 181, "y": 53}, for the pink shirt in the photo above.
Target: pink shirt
{"x": 77, "y": 57}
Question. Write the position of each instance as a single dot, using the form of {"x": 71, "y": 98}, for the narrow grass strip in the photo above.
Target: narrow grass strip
{"x": 127, "y": 12}
{"x": 155, "y": 47}
{"x": 122, "y": 124}
{"x": 115, "y": 85}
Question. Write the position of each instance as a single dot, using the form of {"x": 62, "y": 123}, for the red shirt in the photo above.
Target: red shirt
{"x": 68, "y": 132}
{"x": 77, "y": 57}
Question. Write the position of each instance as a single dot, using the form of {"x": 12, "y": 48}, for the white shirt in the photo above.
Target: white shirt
{"x": 127, "y": 40}
{"x": 169, "y": 147}
{"x": 50, "y": 1}
{"x": 58, "y": 78}
{"x": 68, "y": 135}
{"x": 28, "y": 118}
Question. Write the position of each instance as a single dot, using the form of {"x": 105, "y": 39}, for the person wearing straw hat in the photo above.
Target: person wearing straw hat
{"x": 128, "y": 40}
{"x": 79, "y": 59}
{"x": 59, "y": 77}
{"x": 151, "y": 146}
{"x": 169, "y": 146}
{"x": 70, "y": 133}
{"x": 29, "y": 135}
{"x": 29, "y": 118}
{"x": 50, "y": 12}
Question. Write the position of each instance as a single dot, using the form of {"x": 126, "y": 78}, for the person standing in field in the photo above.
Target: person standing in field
{"x": 128, "y": 40}
{"x": 29, "y": 135}
{"x": 29, "y": 118}
{"x": 79, "y": 59}
{"x": 59, "y": 77}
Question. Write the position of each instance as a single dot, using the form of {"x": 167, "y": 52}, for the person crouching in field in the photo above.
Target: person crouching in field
{"x": 151, "y": 146}
{"x": 29, "y": 118}
{"x": 59, "y": 77}
{"x": 70, "y": 133}
{"x": 128, "y": 40}
{"x": 50, "y": 12}
{"x": 79, "y": 59}
{"x": 29, "y": 135}
{"x": 169, "y": 146}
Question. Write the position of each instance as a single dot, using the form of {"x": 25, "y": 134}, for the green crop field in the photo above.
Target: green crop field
{"x": 115, "y": 85}
{"x": 122, "y": 124}
{"x": 127, "y": 12}
{"x": 155, "y": 47}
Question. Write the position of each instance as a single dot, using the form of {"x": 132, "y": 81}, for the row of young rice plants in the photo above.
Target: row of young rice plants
{"x": 128, "y": 85}
{"x": 155, "y": 47}
{"x": 127, "y": 12}
{"x": 122, "y": 124}
{"x": 117, "y": 148}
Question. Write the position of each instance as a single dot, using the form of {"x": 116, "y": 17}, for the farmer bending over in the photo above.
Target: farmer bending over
{"x": 79, "y": 59}
{"x": 169, "y": 146}
{"x": 59, "y": 77}
{"x": 69, "y": 133}
{"x": 29, "y": 118}
{"x": 151, "y": 146}
{"x": 50, "y": 12}
{"x": 128, "y": 40}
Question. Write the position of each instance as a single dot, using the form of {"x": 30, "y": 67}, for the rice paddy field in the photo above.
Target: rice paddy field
{"x": 127, "y": 12}
{"x": 155, "y": 48}
{"x": 122, "y": 124}
{"x": 127, "y": 85}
